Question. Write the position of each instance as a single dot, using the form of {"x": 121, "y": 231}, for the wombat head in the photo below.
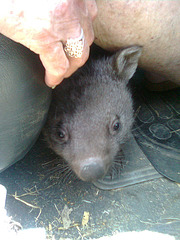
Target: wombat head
{"x": 91, "y": 114}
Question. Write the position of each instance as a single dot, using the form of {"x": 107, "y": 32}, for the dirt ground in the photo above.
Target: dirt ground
{"x": 70, "y": 208}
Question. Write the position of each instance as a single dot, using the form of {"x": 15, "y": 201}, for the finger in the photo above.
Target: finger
{"x": 92, "y": 9}
{"x": 56, "y": 64}
{"x": 89, "y": 34}
{"x": 88, "y": 25}
{"x": 75, "y": 63}
{"x": 52, "y": 80}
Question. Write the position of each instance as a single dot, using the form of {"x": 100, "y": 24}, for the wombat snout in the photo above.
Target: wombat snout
{"x": 92, "y": 171}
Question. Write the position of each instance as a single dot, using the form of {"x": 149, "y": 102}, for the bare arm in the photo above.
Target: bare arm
{"x": 44, "y": 26}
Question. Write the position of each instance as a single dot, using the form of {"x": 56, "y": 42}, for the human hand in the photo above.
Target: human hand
{"x": 44, "y": 27}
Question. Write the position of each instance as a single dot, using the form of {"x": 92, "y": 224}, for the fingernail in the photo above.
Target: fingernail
{"x": 54, "y": 87}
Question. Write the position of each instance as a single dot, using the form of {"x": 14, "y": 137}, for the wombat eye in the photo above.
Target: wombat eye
{"x": 115, "y": 127}
{"x": 62, "y": 135}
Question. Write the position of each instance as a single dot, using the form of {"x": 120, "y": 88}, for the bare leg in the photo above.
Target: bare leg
{"x": 155, "y": 25}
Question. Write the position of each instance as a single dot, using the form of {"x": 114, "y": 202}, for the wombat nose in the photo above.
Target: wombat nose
{"x": 92, "y": 171}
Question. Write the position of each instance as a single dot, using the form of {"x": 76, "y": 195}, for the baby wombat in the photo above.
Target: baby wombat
{"x": 91, "y": 113}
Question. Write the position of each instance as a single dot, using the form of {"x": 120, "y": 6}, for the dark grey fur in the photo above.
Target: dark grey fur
{"x": 91, "y": 113}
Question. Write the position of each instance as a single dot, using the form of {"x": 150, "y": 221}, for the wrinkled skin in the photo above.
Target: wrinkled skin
{"x": 155, "y": 25}
{"x": 44, "y": 27}
{"x": 91, "y": 114}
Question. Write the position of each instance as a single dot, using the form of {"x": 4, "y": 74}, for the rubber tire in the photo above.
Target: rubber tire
{"x": 24, "y": 101}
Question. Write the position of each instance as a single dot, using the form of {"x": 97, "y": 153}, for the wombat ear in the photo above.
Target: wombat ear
{"x": 126, "y": 61}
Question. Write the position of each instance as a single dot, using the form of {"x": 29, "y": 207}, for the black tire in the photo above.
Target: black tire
{"x": 24, "y": 100}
